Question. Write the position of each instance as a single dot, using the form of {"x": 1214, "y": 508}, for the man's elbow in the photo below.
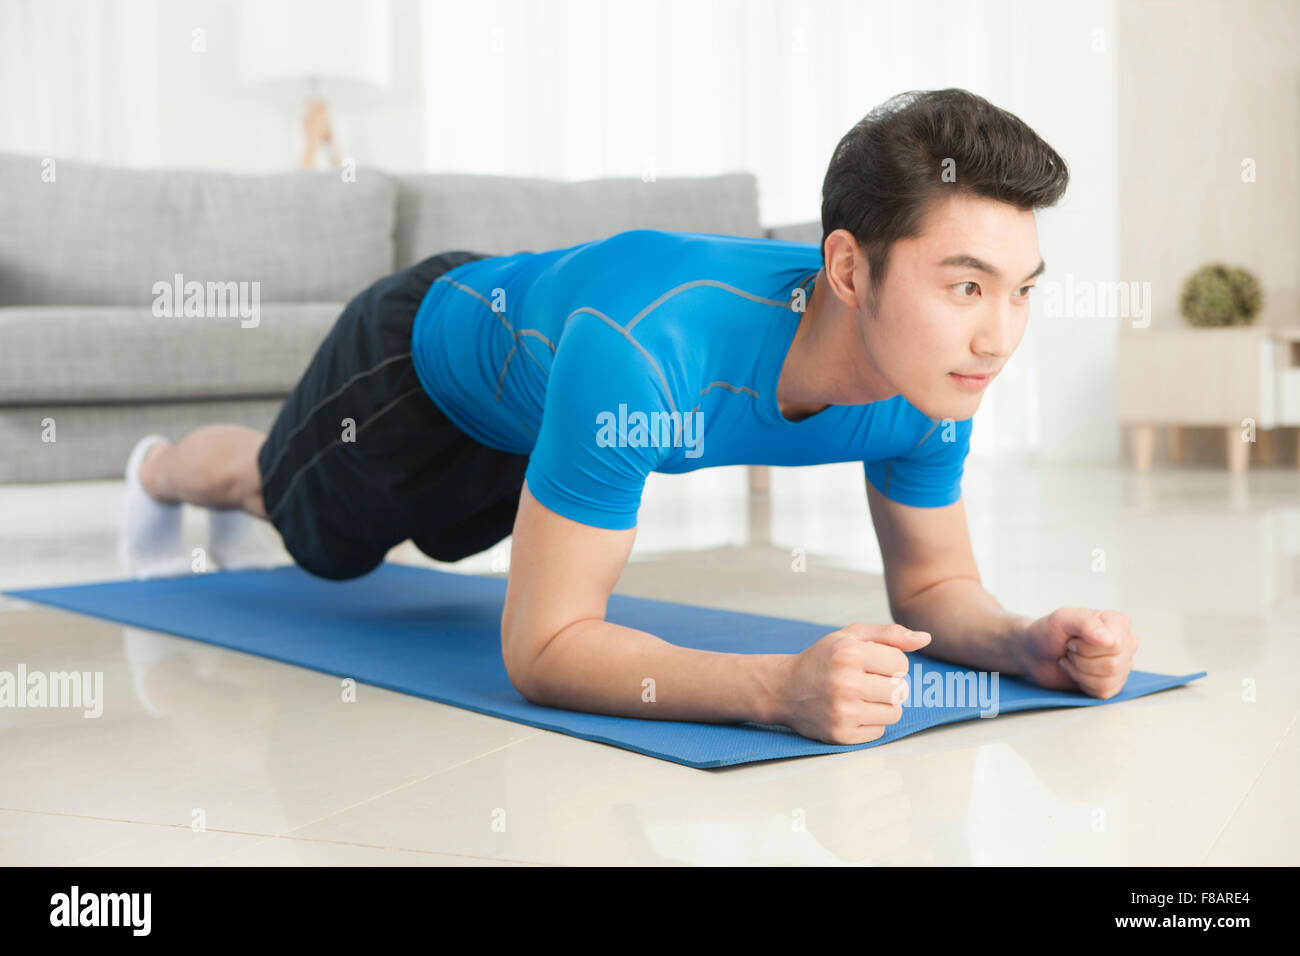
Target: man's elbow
{"x": 532, "y": 670}
{"x": 521, "y": 669}
{"x": 521, "y": 654}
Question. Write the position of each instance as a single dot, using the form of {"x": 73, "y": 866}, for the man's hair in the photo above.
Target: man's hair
{"x": 888, "y": 170}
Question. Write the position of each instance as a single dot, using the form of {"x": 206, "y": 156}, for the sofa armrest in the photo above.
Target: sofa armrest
{"x": 810, "y": 231}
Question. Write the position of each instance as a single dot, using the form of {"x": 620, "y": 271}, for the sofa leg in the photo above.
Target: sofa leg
{"x": 1144, "y": 446}
{"x": 1264, "y": 446}
{"x": 1177, "y": 446}
{"x": 1238, "y": 449}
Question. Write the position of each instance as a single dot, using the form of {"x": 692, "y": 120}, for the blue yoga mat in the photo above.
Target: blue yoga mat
{"x": 436, "y": 635}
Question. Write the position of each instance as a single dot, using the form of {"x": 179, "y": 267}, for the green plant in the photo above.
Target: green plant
{"x": 1218, "y": 295}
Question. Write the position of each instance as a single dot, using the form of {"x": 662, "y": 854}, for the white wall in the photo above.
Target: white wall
{"x": 1229, "y": 70}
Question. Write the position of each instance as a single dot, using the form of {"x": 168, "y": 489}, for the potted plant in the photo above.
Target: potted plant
{"x": 1217, "y": 295}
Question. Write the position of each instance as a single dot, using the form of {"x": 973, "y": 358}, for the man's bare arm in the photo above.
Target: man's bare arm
{"x": 934, "y": 586}
{"x": 560, "y": 652}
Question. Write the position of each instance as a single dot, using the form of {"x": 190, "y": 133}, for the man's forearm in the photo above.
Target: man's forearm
{"x": 967, "y": 626}
{"x": 605, "y": 668}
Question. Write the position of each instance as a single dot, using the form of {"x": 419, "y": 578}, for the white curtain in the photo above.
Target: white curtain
{"x": 79, "y": 79}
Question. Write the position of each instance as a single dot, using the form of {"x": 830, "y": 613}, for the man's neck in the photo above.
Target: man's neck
{"x": 827, "y": 363}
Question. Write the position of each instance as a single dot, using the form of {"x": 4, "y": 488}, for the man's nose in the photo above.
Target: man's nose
{"x": 999, "y": 332}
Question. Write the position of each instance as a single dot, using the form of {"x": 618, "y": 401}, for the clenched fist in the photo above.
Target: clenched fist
{"x": 1080, "y": 649}
{"x": 851, "y": 684}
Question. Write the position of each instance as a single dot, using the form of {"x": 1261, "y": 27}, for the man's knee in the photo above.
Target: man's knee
{"x": 254, "y": 505}
{"x": 237, "y": 482}
{"x": 441, "y": 549}
{"x": 473, "y": 535}
{"x": 459, "y": 544}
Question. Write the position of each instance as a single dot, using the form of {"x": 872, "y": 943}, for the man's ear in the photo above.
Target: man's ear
{"x": 846, "y": 268}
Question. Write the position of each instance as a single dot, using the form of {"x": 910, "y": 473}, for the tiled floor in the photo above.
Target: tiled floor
{"x": 261, "y": 755}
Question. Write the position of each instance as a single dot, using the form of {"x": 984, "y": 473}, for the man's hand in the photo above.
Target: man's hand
{"x": 850, "y": 685}
{"x": 1080, "y": 649}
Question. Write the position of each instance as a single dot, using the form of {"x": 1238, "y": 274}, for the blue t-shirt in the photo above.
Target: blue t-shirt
{"x": 654, "y": 351}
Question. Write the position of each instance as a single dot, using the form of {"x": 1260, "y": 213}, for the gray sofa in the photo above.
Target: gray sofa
{"x": 95, "y": 346}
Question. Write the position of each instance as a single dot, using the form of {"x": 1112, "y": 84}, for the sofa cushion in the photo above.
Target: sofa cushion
{"x": 501, "y": 215}
{"x": 104, "y": 236}
{"x": 61, "y": 354}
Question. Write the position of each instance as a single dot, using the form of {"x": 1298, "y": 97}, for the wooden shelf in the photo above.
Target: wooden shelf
{"x": 1218, "y": 378}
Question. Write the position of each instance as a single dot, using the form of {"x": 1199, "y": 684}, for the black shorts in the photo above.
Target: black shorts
{"x": 360, "y": 457}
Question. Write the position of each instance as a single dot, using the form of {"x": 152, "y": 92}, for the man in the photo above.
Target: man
{"x": 469, "y": 395}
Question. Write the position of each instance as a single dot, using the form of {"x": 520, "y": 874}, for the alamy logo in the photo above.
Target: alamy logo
{"x": 55, "y": 689}
{"x": 208, "y": 300}
{"x": 653, "y": 430}
{"x": 953, "y": 688}
{"x": 102, "y": 909}
{"x": 1080, "y": 298}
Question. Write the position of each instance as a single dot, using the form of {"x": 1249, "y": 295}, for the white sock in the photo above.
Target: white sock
{"x": 237, "y": 543}
{"x": 149, "y": 543}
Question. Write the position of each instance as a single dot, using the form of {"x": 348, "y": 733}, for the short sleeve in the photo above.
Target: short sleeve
{"x": 928, "y": 476}
{"x": 592, "y": 455}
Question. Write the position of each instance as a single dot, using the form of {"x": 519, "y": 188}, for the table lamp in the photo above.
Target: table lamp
{"x": 326, "y": 50}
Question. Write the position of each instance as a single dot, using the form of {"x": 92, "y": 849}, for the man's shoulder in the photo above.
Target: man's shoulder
{"x": 680, "y": 297}
{"x": 650, "y": 250}
{"x": 717, "y": 249}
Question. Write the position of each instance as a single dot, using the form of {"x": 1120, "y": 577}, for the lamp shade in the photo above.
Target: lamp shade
{"x": 338, "y": 42}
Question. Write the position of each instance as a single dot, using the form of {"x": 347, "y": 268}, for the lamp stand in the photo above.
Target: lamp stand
{"x": 316, "y": 126}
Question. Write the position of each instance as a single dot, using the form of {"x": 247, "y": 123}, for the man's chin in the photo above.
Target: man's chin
{"x": 957, "y": 408}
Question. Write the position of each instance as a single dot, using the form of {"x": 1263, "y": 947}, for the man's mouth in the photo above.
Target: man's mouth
{"x": 974, "y": 382}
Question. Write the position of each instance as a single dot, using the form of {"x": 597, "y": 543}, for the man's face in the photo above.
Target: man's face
{"x": 941, "y": 313}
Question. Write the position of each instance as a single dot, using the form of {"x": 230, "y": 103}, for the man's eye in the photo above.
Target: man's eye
{"x": 961, "y": 285}
{"x": 1024, "y": 289}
